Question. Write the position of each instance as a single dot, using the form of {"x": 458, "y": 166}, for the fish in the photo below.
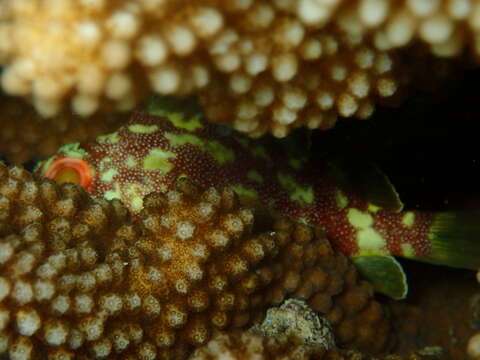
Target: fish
{"x": 354, "y": 203}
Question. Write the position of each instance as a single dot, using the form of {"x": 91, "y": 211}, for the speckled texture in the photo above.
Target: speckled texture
{"x": 295, "y": 320}
{"x": 151, "y": 151}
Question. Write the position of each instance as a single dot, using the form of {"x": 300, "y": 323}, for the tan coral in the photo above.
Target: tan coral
{"x": 445, "y": 26}
{"x": 26, "y": 136}
{"x": 79, "y": 277}
{"x": 263, "y": 66}
{"x": 215, "y": 261}
{"x": 245, "y": 345}
{"x": 57, "y": 286}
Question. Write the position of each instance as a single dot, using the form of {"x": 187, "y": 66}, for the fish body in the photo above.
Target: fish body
{"x": 170, "y": 141}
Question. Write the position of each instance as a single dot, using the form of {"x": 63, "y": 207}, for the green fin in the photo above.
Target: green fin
{"x": 385, "y": 273}
{"x": 365, "y": 179}
{"x": 455, "y": 239}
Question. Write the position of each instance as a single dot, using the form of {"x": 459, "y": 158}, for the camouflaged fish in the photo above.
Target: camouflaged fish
{"x": 357, "y": 206}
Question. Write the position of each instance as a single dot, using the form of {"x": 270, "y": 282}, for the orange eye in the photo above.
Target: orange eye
{"x": 70, "y": 170}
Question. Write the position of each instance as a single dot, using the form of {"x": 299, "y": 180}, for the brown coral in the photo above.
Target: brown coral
{"x": 417, "y": 321}
{"x": 447, "y": 27}
{"x": 296, "y": 321}
{"x": 52, "y": 272}
{"x": 25, "y": 135}
{"x": 78, "y": 276}
{"x": 199, "y": 253}
{"x": 263, "y": 66}
{"x": 245, "y": 345}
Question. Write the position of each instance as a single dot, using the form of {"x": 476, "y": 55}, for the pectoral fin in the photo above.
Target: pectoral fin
{"x": 385, "y": 273}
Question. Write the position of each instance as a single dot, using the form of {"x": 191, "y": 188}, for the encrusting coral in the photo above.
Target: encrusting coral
{"x": 264, "y": 66}
{"x": 291, "y": 331}
{"x": 245, "y": 345}
{"x": 295, "y": 320}
{"x": 77, "y": 276}
{"x": 25, "y": 135}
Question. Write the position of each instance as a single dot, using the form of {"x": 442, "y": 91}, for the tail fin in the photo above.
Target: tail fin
{"x": 455, "y": 239}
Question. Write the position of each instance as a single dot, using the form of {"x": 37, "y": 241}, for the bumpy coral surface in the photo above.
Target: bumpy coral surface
{"x": 25, "y": 135}
{"x": 78, "y": 277}
{"x": 263, "y": 66}
{"x": 248, "y": 346}
{"x": 295, "y": 320}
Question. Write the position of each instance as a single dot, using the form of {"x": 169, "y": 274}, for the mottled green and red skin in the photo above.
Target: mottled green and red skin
{"x": 265, "y": 172}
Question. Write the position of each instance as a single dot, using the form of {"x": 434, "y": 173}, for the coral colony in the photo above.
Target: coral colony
{"x": 157, "y": 225}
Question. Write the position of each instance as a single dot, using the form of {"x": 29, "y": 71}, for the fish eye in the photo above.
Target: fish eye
{"x": 72, "y": 170}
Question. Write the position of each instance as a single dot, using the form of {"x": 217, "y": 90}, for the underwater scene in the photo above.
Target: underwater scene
{"x": 239, "y": 180}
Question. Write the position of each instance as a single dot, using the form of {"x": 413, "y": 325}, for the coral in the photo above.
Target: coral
{"x": 473, "y": 347}
{"x": 44, "y": 63}
{"x": 417, "y": 322}
{"x": 447, "y": 27}
{"x": 267, "y": 66}
{"x": 78, "y": 276}
{"x": 256, "y": 271}
{"x": 26, "y": 136}
{"x": 291, "y": 331}
{"x": 246, "y": 345}
{"x": 58, "y": 288}
{"x": 296, "y": 321}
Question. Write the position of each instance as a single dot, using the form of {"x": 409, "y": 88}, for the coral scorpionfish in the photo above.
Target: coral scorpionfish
{"x": 361, "y": 214}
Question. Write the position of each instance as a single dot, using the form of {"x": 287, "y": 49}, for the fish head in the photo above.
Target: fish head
{"x": 127, "y": 164}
